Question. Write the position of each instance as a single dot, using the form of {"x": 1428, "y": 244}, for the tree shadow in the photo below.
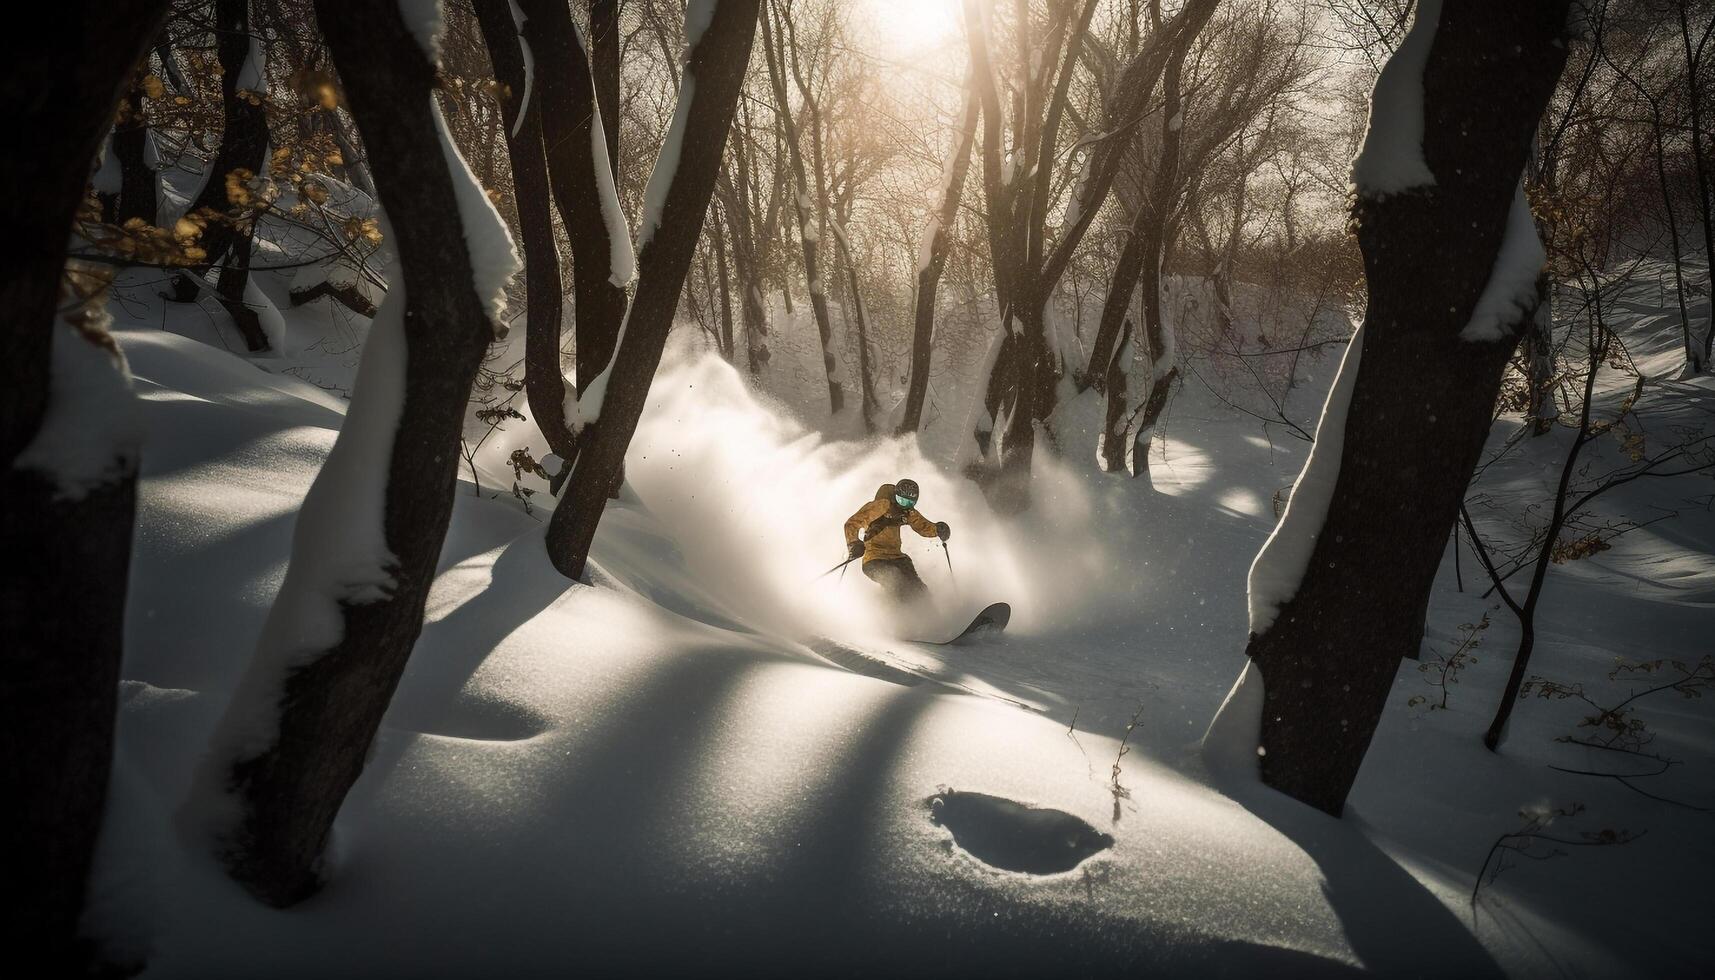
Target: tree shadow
{"x": 453, "y": 648}
{"x": 1393, "y": 923}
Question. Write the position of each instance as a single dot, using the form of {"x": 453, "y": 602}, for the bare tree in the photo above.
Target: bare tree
{"x": 295, "y": 737}
{"x": 1019, "y": 188}
{"x": 230, "y": 234}
{"x": 718, "y": 51}
{"x": 1335, "y": 605}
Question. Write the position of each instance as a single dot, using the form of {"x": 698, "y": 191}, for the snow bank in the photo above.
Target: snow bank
{"x": 1280, "y": 565}
{"x": 599, "y": 767}
{"x": 1391, "y": 159}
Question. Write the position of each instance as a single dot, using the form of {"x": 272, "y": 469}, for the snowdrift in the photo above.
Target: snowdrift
{"x": 658, "y": 773}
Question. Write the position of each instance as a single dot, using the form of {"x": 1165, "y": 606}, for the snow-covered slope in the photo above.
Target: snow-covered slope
{"x": 658, "y": 774}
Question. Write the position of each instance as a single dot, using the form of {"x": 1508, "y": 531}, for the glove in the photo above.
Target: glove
{"x": 942, "y": 530}
{"x": 854, "y": 550}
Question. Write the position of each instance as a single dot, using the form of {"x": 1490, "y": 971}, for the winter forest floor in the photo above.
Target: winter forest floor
{"x": 660, "y": 774}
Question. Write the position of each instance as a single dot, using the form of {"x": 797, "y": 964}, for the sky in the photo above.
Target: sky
{"x": 908, "y": 26}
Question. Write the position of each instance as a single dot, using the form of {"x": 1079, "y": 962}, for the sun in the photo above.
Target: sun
{"x": 909, "y": 26}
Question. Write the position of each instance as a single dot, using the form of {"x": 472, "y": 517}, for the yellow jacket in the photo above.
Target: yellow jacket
{"x": 880, "y": 520}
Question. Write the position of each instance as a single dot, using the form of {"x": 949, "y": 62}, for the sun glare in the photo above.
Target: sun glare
{"x": 908, "y": 26}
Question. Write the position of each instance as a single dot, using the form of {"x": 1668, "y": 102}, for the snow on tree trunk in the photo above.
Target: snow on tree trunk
{"x": 1339, "y": 591}
{"x": 67, "y": 476}
{"x": 296, "y": 734}
{"x": 676, "y": 201}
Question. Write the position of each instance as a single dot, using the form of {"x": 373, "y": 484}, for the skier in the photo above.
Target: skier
{"x": 895, "y": 504}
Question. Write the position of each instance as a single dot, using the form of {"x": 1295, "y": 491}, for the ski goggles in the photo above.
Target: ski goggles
{"x": 905, "y": 502}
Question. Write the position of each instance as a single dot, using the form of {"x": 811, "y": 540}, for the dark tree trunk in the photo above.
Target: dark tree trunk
{"x": 866, "y": 384}
{"x": 604, "y": 38}
{"x": 569, "y": 115}
{"x": 544, "y": 379}
{"x": 1701, "y": 166}
{"x": 726, "y": 336}
{"x": 62, "y": 593}
{"x": 1152, "y": 235}
{"x": 934, "y": 262}
{"x": 243, "y": 147}
{"x": 714, "y": 73}
{"x": 1330, "y": 657}
{"x": 138, "y": 183}
{"x": 288, "y": 792}
{"x": 1115, "y": 323}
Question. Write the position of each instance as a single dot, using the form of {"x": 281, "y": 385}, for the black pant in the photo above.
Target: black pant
{"x": 898, "y": 577}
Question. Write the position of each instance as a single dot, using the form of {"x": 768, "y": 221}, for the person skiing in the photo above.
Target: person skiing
{"x": 879, "y": 521}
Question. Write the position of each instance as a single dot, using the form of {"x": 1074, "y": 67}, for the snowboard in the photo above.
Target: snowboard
{"x": 991, "y": 620}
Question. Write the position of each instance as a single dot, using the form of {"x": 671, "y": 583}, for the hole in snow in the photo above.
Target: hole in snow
{"x": 1015, "y": 837}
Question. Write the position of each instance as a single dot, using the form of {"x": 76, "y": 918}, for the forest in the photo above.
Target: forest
{"x": 440, "y": 517}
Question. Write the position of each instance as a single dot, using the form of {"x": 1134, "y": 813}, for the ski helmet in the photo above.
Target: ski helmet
{"x": 905, "y": 493}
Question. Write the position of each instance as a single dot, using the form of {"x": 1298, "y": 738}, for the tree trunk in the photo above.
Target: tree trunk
{"x": 544, "y": 378}
{"x": 575, "y": 136}
{"x": 1420, "y": 401}
{"x": 604, "y": 38}
{"x": 67, "y": 535}
{"x": 1115, "y": 324}
{"x": 866, "y": 383}
{"x": 1701, "y": 167}
{"x": 726, "y": 337}
{"x": 714, "y": 73}
{"x": 139, "y": 190}
{"x": 1539, "y": 337}
{"x": 243, "y": 150}
{"x": 932, "y": 259}
{"x": 295, "y": 737}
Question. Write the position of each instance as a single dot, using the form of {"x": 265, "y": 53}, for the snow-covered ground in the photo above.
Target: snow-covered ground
{"x": 660, "y": 774}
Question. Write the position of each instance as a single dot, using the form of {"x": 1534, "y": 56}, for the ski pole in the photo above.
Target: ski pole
{"x": 949, "y": 555}
{"x": 836, "y": 568}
